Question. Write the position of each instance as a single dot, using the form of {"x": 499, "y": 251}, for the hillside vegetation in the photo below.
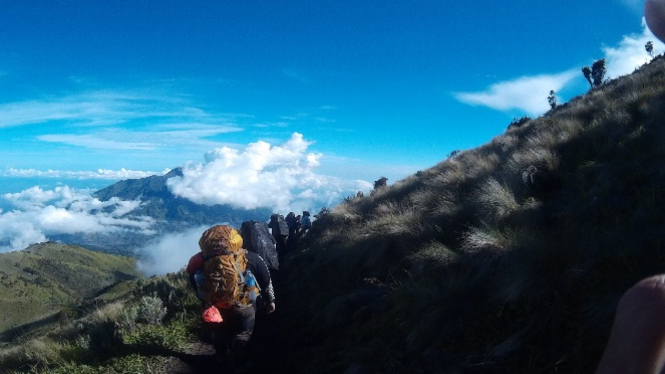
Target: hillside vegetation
{"x": 46, "y": 279}
{"x": 136, "y": 326}
{"x": 508, "y": 258}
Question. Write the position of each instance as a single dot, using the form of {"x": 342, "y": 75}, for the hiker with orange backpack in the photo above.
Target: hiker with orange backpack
{"x": 234, "y": 281}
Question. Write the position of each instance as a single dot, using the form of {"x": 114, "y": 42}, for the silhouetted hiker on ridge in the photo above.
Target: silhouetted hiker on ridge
{"x": 280, "y": 231}
{"x": 292, "y": 239}
{"x": 305, "y": 223}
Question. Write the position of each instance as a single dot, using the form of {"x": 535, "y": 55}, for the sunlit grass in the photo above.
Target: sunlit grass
{"x": 496, "y": 199}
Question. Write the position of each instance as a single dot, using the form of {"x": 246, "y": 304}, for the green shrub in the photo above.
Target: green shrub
{"x": 149, "y": 338}
{"x": 128, "y": 319}
{"x": 151, "y": 310}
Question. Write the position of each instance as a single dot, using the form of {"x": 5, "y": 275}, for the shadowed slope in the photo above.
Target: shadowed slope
{"x": 506, "y": 258}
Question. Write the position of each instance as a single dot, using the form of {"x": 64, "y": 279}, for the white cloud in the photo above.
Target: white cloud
{"x": 262, "y": 175}
{"x": 104, "y": 108}
{"x": 93, "y": 109}
{"x": 173, "y": 135}
{"x": 528, "y": 94}
{"x": 98, "y": 174}
{"x": 170, "y": 252}
{"x": 90, "y": 141}
{"x": 36, "y": 214}
{"x": 631, "y": 53}
{"x": 173, "y": 122}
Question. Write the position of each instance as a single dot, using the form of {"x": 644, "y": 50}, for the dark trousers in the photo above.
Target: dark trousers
{"x": 280, "y": 244}
{"x": 232, "y": 335}
{"x": 292, "y": 242}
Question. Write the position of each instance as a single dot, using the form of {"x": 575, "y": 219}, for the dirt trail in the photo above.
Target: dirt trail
{"x": 199, "y": 360}
{"x": 274, "y": 349}
{"x": 270, "y": 349}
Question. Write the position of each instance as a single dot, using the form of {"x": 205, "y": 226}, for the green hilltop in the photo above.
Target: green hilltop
{"x": 43, "y": 279}
{"x": 507, "y": 258}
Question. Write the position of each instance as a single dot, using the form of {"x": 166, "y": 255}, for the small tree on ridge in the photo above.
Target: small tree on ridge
{"x": 598, "y": 72}
{"x": 649, "y": 48}
{"x": 587, "y": 74}
{"x": 379, "y": 184}
{"x": 551, "y": 99}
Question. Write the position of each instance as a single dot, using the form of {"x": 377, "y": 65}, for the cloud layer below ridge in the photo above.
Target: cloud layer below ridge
{"x": 261, "y": 175}
{"x": 38, "y": 213}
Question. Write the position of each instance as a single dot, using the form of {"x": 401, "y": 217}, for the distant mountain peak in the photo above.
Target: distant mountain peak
{"x": 172, "y": 213}
{"x": 133, "y": 189}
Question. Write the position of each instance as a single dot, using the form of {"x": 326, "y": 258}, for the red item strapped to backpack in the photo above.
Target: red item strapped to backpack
{"x": 212, "y": 315}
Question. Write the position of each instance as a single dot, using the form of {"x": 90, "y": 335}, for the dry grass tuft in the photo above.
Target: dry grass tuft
{"x": 108, "y": 312}
{"x": 540, "y": 157}
{"x": 488, "y": 239}
{"x": 496, "y": 199}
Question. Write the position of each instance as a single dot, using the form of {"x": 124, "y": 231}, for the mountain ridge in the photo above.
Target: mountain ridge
{"x": 161, "y": 204}
{"x": 171, "y": 214}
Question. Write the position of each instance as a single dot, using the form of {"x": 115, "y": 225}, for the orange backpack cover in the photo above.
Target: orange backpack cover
{"x": 225, "y": 264}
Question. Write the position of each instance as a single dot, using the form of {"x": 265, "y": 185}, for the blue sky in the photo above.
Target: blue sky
{"x": 318, "y": 97}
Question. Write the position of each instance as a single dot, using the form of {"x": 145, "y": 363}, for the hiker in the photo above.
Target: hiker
{"x": 291, "y": 222}
{"x": 292, "y": 239}
{"x": 280, "y": 231}
{"x": 235, "y": 281}
{"x": 306, "y": 223}
{"x": 637, "y": 341}
{"x": 256, "y": 238}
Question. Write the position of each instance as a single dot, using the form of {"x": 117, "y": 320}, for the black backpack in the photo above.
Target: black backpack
{"x": 279, "y": 225}
{"x": 257, "y": 238}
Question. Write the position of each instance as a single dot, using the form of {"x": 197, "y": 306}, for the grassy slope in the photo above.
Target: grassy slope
{"x": 506, "y": 258}
{"x": 135, "y": 326}
{"x": 48, "y": 277}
